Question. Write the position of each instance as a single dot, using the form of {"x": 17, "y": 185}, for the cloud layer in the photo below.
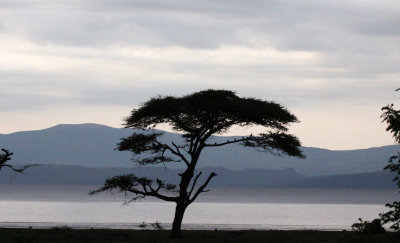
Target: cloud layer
{"x": 312, "y": 56}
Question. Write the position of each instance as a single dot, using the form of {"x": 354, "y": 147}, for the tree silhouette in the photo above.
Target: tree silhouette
{"x": 197, "y": 117}
{"x": 5, "y": 157}
{"x": 392, "y": 117}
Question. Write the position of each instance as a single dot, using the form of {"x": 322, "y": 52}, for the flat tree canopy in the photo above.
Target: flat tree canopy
{"x": 197, "y": 117}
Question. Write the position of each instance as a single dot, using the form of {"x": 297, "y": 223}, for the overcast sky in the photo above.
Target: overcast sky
{"x": 334, "y": 64}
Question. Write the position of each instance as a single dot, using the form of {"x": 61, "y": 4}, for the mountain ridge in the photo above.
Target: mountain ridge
{"x": 288, "y": 178}
{"x": 93, "y": 145}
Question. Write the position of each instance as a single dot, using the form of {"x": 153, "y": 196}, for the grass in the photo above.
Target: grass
{"x": 192, "y": 236}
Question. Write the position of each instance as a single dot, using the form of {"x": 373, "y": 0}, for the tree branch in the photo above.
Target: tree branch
{"x": 191, "y": 145}
{"x": 201, "y": 188}
{"x": 177, "y": 152}
{"x": 229, "y": 142}
{"x": 178, "y": 147}
{"x": 19, "y": 170}
{"x": 194, "y": 183}
{"x": 6, "y": 157}
{"x": 275, "y": 142}
{"x": 141, "y": 144}
{"x": 222, "y": 125}
{"x": 130, "y": 183}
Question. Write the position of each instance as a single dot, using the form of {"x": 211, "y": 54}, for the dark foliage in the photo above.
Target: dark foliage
{"x": 198, "y": 117}
{"x": 373, "y": 227}
{"x": 392, "y": 117}
{"x": 392, "y": 216}
{"x": 394, "y": 166}
{"x": 140, "y": 187}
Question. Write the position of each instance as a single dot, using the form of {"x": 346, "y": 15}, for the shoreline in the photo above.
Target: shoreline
{"x": 168, "y": 226}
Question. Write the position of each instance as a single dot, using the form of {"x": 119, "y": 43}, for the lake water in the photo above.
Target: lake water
{"x": 222, "y": 208}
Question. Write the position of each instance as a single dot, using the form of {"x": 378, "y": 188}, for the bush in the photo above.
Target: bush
{"x": 374, "y": 227}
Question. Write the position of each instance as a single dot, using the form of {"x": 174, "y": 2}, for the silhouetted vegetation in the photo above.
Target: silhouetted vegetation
{"x": 154, "y": 226}
{"x": 392, "y": 117}
{"x": 192, "y": 236}
{"x": 373, "y": 227}
{"x": 5, "y": 156}
{"x": 197, "y": 117}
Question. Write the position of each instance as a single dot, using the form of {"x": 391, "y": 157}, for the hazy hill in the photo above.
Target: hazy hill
{"x": 375, "y": 180}
{"x": 93, "y": 145}
{"x": 78, "y": 175}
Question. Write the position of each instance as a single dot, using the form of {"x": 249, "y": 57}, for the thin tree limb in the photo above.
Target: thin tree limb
{"x": 177, "y": 153}
{"x": 194, "y": 183}
{"x": 228, "y": 142}
{"x": 201, "y": 189}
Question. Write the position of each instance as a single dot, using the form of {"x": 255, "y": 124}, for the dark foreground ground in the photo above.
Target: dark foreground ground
{"x": 161, "y": 236}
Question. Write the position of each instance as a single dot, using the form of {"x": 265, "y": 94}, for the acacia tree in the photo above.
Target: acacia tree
{"x": 5, "y": 157}
{"x": 197, "y": 117}
{"x": 392, "y": 117}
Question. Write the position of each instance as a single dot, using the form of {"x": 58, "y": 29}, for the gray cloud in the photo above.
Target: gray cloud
{"x": 304, "y": 54}
{"x": 311, "y": 25}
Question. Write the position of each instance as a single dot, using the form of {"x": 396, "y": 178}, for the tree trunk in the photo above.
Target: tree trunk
{"x": 176, "y": 225}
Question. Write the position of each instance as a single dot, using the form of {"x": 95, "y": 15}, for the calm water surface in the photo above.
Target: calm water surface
{"x": 221, "y": 208}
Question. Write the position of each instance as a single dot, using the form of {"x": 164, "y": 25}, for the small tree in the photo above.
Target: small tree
{"x": 198, "y": 117}
{"x": 5, "y": 157}
{"x": 392, "y": 117}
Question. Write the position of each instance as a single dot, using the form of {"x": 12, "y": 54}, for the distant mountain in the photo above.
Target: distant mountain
{"x": 93, "y": 145}
{"x": 79, "y": 175}
{"x": 375, "y": 180}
